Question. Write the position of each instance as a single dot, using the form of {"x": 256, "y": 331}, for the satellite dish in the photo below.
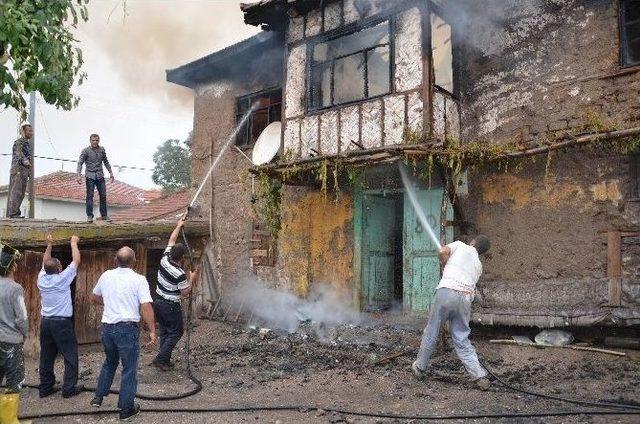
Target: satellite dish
{"x": 267, "y": 145}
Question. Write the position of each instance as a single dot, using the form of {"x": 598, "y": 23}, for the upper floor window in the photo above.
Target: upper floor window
{"x": 268, "y": 110}
{"x": 351, "y": 67}
{"x": 441, "y": 53}
{"x": 630, "y": 32}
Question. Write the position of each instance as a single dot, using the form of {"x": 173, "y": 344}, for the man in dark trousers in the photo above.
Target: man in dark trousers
{"x": 20, "y": 171}
{"x": 172, "y": 286}
{"x": 14, "y": 327}
{"x": 93, "y": 157}
{"x": 57, "y": 334}
{"x": 124, "y": 295}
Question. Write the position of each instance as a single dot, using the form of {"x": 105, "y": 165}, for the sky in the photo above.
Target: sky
{"x": 127, "y": 46}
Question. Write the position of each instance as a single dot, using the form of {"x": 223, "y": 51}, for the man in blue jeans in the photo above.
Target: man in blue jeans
{"x": 93, "y": 157}
{"x": 123, "y": 293}
{"x": 172, "y": 286}
{"x": 454, "y": 294}
{"x": 57, "y": 334}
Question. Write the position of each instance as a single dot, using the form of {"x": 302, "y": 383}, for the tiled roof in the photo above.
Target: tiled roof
{"x": 64, "y": 186}
{"x": 167, "y": 207}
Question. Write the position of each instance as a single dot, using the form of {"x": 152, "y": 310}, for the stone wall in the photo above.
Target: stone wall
{"x": 529, "y": 70}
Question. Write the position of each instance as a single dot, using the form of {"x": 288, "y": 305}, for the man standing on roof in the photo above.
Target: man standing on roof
{"x": 93, "y": 157}
{"x": 172, "y": 286}
{"x": 20, "y": 171}
{"x": 57, "y": 334}
{"x": 14, "y": 327}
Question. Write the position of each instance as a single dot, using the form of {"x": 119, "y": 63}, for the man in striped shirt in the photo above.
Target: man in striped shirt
{"x": 173, "y": 285}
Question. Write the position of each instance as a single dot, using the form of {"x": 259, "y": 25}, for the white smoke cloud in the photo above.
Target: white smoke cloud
{"x": 283, "y": 310}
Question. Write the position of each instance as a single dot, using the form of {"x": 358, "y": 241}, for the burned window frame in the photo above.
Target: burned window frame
{"x": 623, "y": 24}
{"x": 344, "y": 32}
{"x": 244, "y": 139}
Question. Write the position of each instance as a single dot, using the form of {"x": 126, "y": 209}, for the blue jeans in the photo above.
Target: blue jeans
{"x": 169, "y": 318}
{"x": 121, "y": 343}
{"x": 453, "y": 307}
{"x": 101, "y": 185}
{"x": 58, "y": 336}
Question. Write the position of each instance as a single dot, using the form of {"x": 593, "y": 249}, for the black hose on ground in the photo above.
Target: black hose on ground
{"x": 306, "y": 409}
{"x": 560, "y": 398}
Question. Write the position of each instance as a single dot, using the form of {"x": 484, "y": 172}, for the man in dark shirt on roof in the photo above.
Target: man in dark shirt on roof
{"x": 172, "y": 286}
{"x": 20, "y": 171}
{"x": 93, "y": 157}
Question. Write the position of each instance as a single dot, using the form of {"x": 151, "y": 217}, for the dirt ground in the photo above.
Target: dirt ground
{"x": 241, "y": 367}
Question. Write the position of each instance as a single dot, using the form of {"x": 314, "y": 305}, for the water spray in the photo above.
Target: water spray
{"x": 225, "y": 146}
{"x": 408, "y": 186}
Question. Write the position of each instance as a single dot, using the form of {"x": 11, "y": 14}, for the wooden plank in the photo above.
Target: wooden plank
{"x": 614, "y": 267}
{"x": 540, "y": 346}
{"x": 87, "y": 315}
{"x": 26, "y": 275}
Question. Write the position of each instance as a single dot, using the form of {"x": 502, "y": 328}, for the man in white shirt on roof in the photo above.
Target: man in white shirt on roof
{"x": 454, "y": 294}
{"x": 57, "y": 334}
{"x": 123, "y": 293}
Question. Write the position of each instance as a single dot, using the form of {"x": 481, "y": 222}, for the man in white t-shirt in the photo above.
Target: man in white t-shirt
{"x": 123, "y": 293}
{"x": 454, "y": 294}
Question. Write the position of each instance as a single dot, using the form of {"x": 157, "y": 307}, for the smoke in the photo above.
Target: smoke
{"x": 282, "y": 310}
{"x": 143, "y": 39}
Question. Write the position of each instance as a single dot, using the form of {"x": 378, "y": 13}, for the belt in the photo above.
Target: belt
{"x": 56, "y": 318}
{"x": 134, "y": 323}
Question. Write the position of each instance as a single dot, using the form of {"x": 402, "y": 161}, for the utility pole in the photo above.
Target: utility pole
{"x": 32, "y": 122}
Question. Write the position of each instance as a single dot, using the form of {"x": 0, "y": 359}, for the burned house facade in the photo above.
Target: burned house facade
{"x": 520, "y": 120}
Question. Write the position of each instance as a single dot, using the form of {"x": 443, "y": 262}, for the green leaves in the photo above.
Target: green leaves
{"x": 173, "y": 165}
{"x": 42, "y": 52}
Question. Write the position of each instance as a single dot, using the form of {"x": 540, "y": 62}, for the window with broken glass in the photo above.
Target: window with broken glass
{"x": 630, "y": 32}
{"x": 442, "y": 53}
{"x": 267, "y": 110}
{"x": 350, "y": 68}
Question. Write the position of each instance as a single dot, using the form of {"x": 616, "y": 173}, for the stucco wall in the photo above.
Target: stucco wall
{"x": 56, "y": 209}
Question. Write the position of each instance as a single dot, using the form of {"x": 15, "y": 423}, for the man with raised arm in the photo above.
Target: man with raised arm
{"x": 124, "y": 294}
{"x": 172, "y": 286}
{"x": 57, "y": 334}
{"x": 454, "y": 294}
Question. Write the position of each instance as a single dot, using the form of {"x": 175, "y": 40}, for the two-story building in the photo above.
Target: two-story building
{"x": 519, "y": 120}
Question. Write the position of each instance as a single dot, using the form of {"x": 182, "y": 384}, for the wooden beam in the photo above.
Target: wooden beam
{"x": 614, "y": 267}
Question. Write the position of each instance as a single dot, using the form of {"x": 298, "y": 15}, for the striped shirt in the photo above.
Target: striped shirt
{"x": 171, "y": 279}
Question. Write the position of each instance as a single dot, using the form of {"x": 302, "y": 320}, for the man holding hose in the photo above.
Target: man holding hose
{"x": 454, "y": 294}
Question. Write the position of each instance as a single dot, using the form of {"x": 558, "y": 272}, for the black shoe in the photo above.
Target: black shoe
{"x": 74, "y": 392}
{"x": 125, "y": 415}
{"x": 161, "y": 366}
{"x": 96, "y": 401}
{"x": 44, "y": 394}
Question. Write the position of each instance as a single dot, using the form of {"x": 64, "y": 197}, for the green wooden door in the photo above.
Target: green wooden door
{"x": 378, "y": 218}
{"x": 421, "y": 268}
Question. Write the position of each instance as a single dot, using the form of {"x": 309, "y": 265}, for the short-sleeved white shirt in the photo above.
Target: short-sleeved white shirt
{"x": 123, "y": 291}
{"x": 463, "y": 269}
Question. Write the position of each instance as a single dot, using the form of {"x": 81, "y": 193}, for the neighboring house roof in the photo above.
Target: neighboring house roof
{"x": 166, "y": 207}
{"x": 63, "y": 186}
{"x": 257, "y": 58}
